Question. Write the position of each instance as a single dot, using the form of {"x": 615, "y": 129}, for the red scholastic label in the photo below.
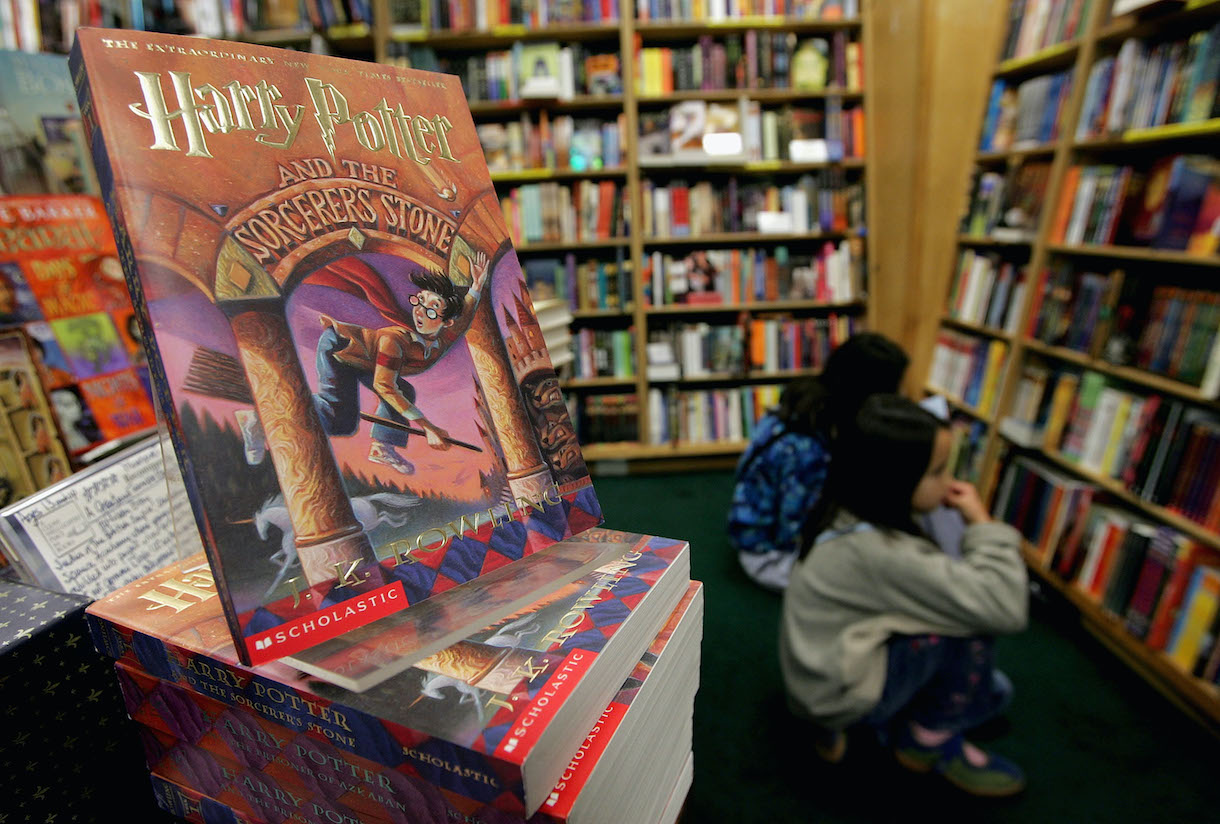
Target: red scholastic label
{"x": 325, "y": 624}
{"x": 537, "y": 714}
{"x": 580, "y": 766}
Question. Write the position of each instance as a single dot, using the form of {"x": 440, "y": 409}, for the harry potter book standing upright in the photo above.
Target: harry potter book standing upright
{"x": 337, "y": 325}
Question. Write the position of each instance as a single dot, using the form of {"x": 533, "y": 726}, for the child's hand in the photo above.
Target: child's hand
{"x": 965, "y": 498}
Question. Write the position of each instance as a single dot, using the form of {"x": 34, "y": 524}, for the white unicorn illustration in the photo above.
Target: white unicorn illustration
{"x": 510, "y": 635}
{"x": 381, "y": 509}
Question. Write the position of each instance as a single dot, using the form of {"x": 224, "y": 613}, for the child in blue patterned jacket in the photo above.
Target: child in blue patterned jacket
{"x": 779, "y": 478}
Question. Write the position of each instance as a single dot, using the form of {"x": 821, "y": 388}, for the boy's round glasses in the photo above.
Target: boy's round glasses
{"x": 428, "y": 310}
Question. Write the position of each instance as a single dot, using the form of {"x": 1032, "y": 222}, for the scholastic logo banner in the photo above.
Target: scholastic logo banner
{"x": 325, "y": 624}
{"x": 537, "y": 714}
{"x": 580, "y": 766}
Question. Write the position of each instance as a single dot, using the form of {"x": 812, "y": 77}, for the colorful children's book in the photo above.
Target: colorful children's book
{"x": 61, "y": 281}
{"x": 488, "y": 718}
{"x": 337, "y": 326}
{"x": 32, "y": 453}
{"x": 206, "y": 745}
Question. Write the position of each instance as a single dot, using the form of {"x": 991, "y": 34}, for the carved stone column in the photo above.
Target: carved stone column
{"x": 529, "y": 476}
{"x": 326, "y": 530}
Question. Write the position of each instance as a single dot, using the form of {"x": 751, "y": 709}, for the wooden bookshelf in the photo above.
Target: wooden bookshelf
{"x": 640, "y": 316}
{"x": 1098, "y": 38}
{"x": 383, "y": 41}
{"x": 1200, "y": 700}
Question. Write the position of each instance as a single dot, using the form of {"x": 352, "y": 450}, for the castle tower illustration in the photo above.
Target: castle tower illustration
{"x": 540, "y": 386}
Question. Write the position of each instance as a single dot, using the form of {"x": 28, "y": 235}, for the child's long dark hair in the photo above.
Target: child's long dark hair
{"x": 863, "y": 365}
{"x": 877, "y": 462}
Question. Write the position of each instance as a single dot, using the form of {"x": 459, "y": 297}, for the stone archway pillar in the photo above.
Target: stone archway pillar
{"x": 326, "y": 530}
{"x": 529, "y": 477}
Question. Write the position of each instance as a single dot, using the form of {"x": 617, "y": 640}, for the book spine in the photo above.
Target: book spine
{"x": 158, "y": 380}
{"x": 194, "y": 806}
{"x": 470, "y": 773}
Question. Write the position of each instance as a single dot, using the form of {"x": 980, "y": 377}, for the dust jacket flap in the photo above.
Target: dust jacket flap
{"x": 337, "y": 324}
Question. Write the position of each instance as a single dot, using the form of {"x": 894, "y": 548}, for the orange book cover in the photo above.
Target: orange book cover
{"x": 338, "y": 329}
{"x": 61, "y": 280}
{"x": 1067, "y": 198}
{"x": 1109, "y": 551}
{"x": 758, "y": 343}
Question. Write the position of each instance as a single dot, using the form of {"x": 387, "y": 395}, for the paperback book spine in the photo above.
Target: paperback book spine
{"x": 175, "y": 722}
{"x": 195, "y": 807}
{"x": 196, "y": 741}
{"x": 158, "y": 381}
{"x": 483, "y": 762}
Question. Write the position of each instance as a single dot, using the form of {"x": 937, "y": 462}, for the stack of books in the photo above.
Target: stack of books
{"x": 407, "y": 614}
{"x": 547, "y": 710}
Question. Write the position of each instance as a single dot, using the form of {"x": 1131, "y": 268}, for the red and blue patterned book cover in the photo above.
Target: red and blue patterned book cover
{"x": 338, "y": 330}
{"x": 655, "y": 701}
{"x": 491, "y": 718}
{"x": 195, "y": 807}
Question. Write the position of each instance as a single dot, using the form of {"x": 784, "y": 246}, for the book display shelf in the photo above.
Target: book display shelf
{"x": 689, "y": 178}
{"x": 1078, "y": 342}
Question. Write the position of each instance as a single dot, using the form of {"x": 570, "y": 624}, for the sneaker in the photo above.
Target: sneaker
{"x": 386, "y": 456}
{"x": 254, "y": 441}
{"x": 996, "y": 778}
{"x": 830, "y": 745}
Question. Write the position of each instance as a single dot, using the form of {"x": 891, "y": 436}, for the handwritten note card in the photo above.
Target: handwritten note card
{"x": 100, "y": 529}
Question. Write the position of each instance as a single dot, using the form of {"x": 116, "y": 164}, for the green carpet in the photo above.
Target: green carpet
{"x": 1097, "y": 743}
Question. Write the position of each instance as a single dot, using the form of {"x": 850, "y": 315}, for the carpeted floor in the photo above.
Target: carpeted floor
{"x": 1097, "y": 743}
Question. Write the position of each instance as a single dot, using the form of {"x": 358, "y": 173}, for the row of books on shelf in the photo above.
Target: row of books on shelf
{"x": 605, "y": 417}
{"x": 530, "y": 70}
{"x": 553, "y": 143}
{"x": 586, "y": 285}
{"x": 42, "y": 26}
{"x": 485, "y": 15}
{"x": 721, "y": 11}
{"x": 835, "y": 274}
{"x": 968, "y": 368}
{"x": 1127, "y": 320}
{"x": 603, "y": 353}
{"x": 549, "y": 212}
{"x": 755, "y": 59}
{"x": 706, "y": 416}
{"x": 1153, "y": 84}
{"x": 1174, "y": 204}
{"x": 1006, "y": 206}
{"x": 1161, "y": 449}
{"x": 1160, "y": 585}
{"x": 967, "y": 447}
{"x": 812, "y": 204}
{"x": 759, "y": 344}
{"x": 987, "y": 291}
{"x": 1025, "y": 115}
{"x": 1078, "y": 309}
{"x": 1034, "y": 25}
{"x": 699, "y": 132}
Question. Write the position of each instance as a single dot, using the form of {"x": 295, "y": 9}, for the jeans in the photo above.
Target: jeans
{"x": 338, "y": 397}
{"x": 941, "y": 683}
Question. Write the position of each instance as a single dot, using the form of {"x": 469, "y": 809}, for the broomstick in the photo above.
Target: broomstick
{"x": 219, "y": 375}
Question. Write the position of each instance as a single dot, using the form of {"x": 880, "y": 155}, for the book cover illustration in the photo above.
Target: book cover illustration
{"x": 61, "y": 281}
{"x": 44, "y": 148}
{"x": 468, "y": 718}
{"x": 32, "y": 453}
{"x": 337, "y": 326}
{"x": 207, "y": 745}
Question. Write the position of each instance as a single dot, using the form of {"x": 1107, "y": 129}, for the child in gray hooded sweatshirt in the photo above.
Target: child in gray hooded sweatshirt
{"x": 880, "y": 627}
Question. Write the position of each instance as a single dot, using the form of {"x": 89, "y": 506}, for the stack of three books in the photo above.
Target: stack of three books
{"x": 576, "y": 708}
